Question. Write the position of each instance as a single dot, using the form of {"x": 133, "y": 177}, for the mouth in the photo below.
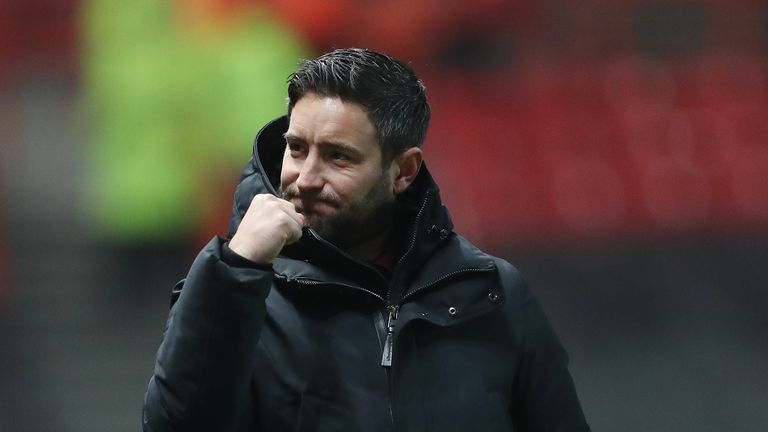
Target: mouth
{"x": 310, "y": 207}
{"x": 316, "y": 207}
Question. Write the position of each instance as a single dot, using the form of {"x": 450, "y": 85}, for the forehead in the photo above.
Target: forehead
{"x": 319, "y": 119}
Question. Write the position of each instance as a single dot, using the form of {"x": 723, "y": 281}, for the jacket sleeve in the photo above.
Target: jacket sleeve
{"x": 202, "y": 374}
{"x": 544, "y": 396}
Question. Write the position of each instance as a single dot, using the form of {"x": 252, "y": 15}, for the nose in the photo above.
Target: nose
{"x": 310, "y": 174}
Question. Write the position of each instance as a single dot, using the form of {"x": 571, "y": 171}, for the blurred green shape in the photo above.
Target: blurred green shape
{"x": 170, "y": 108}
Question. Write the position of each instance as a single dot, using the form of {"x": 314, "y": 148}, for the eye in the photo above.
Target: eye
{"x": 339, "y": 156}
{"x": 295, "y": 149}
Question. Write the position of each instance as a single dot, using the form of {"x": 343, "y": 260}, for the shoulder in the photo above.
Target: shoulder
{"x": 506, "y": 270}
{"x": 511, "y": 280}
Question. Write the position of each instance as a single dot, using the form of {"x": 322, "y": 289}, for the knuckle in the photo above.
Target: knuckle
{"x": 270, "y": 204}
{"x": 283, "y": 220}
{"x": 262, "y": 198}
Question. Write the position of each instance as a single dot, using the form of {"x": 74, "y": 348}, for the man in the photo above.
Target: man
{"x": 343, "y": 300}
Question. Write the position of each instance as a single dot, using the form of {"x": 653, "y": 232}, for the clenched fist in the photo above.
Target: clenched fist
{"x": 269, "y": 224}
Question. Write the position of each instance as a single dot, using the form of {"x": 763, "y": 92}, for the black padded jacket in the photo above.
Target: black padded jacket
{"x": 452, "y": 340}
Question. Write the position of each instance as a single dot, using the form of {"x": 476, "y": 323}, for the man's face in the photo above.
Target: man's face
{"x": 332, "y": 170}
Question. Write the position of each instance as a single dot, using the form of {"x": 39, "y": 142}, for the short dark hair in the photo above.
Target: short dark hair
{"x": 387, "y": 88}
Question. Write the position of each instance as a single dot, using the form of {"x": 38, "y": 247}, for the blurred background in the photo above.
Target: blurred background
{"x": 615, "y": 151}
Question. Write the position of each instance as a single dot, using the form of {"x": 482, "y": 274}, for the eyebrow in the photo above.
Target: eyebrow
{"x": 289, "y": 137}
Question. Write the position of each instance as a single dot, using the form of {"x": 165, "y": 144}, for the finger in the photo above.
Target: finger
{"x": 290, "y": 209}
{"x": 294, "y": 233}
{"x": 302, "y": 219}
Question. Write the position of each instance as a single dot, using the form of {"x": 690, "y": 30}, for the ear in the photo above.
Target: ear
{"x": 404, "y": 168}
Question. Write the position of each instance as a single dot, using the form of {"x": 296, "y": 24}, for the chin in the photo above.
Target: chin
{"x": 314, "y": 220}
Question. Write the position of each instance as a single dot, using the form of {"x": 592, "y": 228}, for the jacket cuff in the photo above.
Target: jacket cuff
{"x": 233, "y": 259}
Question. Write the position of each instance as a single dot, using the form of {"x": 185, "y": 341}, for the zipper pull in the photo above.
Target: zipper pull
{"x": 386, "y": 355}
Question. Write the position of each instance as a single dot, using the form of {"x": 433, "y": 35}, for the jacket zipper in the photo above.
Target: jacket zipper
{"x": 386, "y": 355}
{"x": 389, "y": 342}
{"x": 346, "y": 255}
{"x": 317, "y": 282}
{"x": 412, "y": 243}
{"x": 444, "y": 277}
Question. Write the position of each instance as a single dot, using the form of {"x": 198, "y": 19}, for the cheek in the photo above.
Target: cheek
{"x": 289, "y": 172}
{"x": 358, "y": 187}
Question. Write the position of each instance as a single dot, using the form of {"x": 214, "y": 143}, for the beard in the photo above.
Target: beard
{"x": 350, "y": 223}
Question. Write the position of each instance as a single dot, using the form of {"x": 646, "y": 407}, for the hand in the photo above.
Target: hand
{"x": 269, "y": 224}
